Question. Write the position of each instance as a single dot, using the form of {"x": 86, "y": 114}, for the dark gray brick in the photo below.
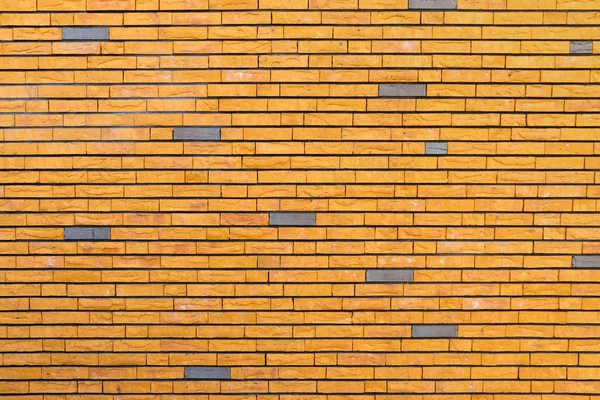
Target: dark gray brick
{"x": 432, "y": 4}
{"x": 439, "y": 148}
{"x": 389, "y": 275}
{"x": 102, "y": 233}
{"x": 86, "y": 233}
{"x": 293, "y": 218}
{"x": 434, "y": 331}
{"x": 586, "y": 262}
{"x": 581, "y": 47}
{"x": 79, "y": 233}
{"x": 196, "y": 133}
{"x": 99, "y": 33}
{"x": 207, "y": 373}
{"x": 402, "y": 89}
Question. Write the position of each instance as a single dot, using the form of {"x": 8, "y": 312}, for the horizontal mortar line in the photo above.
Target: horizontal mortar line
{"x": 278, "y": 379}
{"x": 311, "y": 24}
{"x": 319, "y": 212}
{"x": 286, "y": 365}
{"x": 353, "y": 112}
{"x": 303, "y": 97}
{"x": 216, "y": 10}
{"x": 335, "y": 68}
{"x": 357, "y": 352}
{"x": 313, "y": 11}
{"x": 112, "y": 127}
{"x": 107, "y": 254}
{"x": 242, "y": 226}
{"x": 279, "y": 240}
{"x": 440, "y": 38}
{"x": 348, "y": 83}
{"x": 327, "y": 82}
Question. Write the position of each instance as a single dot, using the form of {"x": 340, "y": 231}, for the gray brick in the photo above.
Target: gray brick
{"x": 102, "y": 233}
{"x": 434, "y": 331}
{"x": 197, "y": 133}
{"x": 586, "y": 262}
{"x": 436, "y": 148}
{"x": 389, "y": 275}
{"x": 432, "y": 4}
{"x": 100, "y": 33}
{"x": 86, "y": 233}
{"x": 581, "y": 47}
{"x": 207, "y": 373}
{"x": 293, "y": 218}
{"x": 403, "y": 89}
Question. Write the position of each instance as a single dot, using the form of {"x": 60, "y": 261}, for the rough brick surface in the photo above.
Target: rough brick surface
{"x": 299, "y": 200}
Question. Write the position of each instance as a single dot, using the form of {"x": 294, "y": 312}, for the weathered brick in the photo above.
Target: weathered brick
{"x": 389, "y": 275}
{"x": 87, "y": 233}
{"x": 292, "y": 219}
{"x": 434, "y": 331}
{"x": 436, "y": 148}
{"x": 197, "y": 133}
{"x": 85, "y": 33}
{"x": 402, "y": 90}
{"x": 207, "y": 373}
{"x": 586, "y": 262}
{"x": 432, "y": 4}
{"x": 580, "y": 47}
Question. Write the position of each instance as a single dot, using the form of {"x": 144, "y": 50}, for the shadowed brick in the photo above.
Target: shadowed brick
{"x": 197, "y": 133}
{"x": 389, "y": 275}
{"x": 434, "y": 331}
{"x": 586, "y": 262}
{"x": 436, "y": 148}
{"x": 87, "y": 233}
{"x": 402, "y": 90}
{"x": 432, "y": 4}
{"x": 293, "y": 218}
{"x": 207, "y": 373}
{"x": 100, "y": 33}
{"x": 581, "y": 47}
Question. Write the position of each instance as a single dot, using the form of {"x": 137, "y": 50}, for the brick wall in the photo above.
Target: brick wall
{"x": 299, "y": 199}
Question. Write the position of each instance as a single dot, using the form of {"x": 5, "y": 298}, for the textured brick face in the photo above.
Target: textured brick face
{"x": 299, "y": 200}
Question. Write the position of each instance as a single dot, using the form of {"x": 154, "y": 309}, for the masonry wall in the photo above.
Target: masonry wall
{"x": 299, "y": 199}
